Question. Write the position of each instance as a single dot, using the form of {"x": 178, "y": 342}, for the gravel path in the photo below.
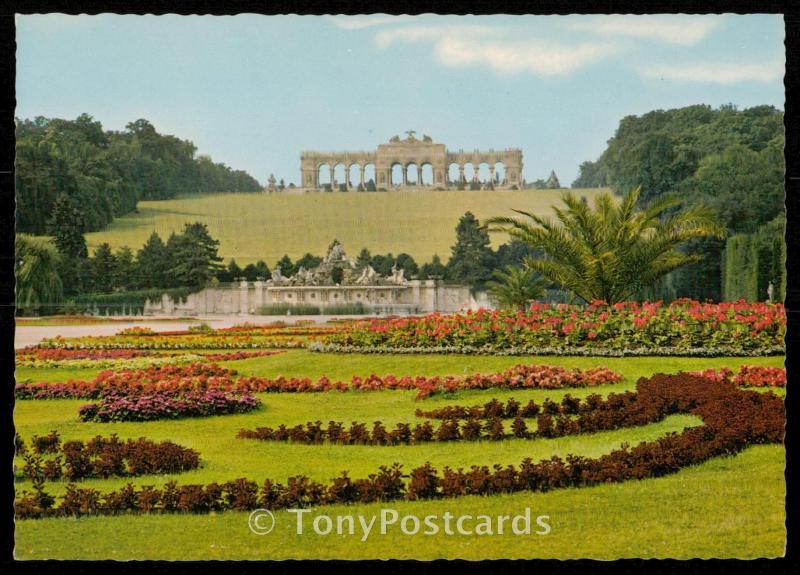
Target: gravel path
{"x": 31, "y": 335}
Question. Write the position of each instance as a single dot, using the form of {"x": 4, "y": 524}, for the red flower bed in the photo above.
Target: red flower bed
{"x": 55, "y": 354}
{"x": 117, "y": 406}
{"x": 211, "y": 376}
{"x": 684, "y": 327}
{"x": 749, "y": 376}
{"x": 732, "y": 419}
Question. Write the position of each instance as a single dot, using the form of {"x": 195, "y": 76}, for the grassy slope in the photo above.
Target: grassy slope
{"x": 716, "y": 499}
{"x": 265, "y": 226}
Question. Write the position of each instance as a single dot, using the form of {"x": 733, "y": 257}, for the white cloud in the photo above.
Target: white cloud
{"x": 361, "y": 22}
{"x": 672, "y": 29}
{"x": 717, "y": 73}
{"x": 460, "y": 46}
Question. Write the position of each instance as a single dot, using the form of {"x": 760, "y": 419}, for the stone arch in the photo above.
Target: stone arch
{"x": 453, "y": 173}
{"x": 426, "y": 176}
{"x": 499, "y": 173}
{"x": 354, "y": 175}
{"x": 483, "y": 173}
{"x": 396, "y": 174}
{"x": 370, "y": 175}
{"x": 324, "y": 175}
{"x": 412, "y": 174}
{"x": 469, "y": 171}
{"x": 339, "y": 175}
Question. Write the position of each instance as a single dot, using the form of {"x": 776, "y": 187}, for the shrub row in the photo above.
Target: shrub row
{"x": 683, "y": 324}
{"x": 534, "y": 350}
{"x": 102, "y": 457}
{"x": 552, "y": 420}
{"x": 122, "y": 358}
{"x": 211, "y": 376}
{"x": 732, "y": 419}
{"x": 116, "y": 406}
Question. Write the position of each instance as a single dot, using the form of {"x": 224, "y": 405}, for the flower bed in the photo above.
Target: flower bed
{"x": 749, "y": 376}
{"x": 163, "y": 341}
{"x": 102, "y": 457}
{"x": 44, "y": 358}
{"x": 211, "y": 376}
{"x": 733, "y": 418}
{"x": 116, "y": 406}
{"x": 683, "y": 327}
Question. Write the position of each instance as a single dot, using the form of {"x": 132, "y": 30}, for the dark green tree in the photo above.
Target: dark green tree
{"x": 102, "y": 269}
{"x": 433, "y": 269}
{"x": 407, "y": 263}
{"x": 38, "y": 284}
{"x": 364, "y": 258}
{"x": 195, "y": 256}
{"x": 382, "y": 264}
{"x": 152, "y": 264}
{"x": 124, "y": 269}
{"x": 472, "y": 260}
{"x": 262, "y": 269}
{"x": 308, "y": 261}
{"x": 230, "y": 273}
{"x": 66, "y": 226}
{"x": 286, "y": 265}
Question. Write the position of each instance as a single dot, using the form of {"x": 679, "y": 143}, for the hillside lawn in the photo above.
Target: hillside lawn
{"x": 267, "y": 226}
{"x": 704, "y": 511}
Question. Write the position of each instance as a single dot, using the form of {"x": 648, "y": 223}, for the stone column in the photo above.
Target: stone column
{"x": 461, "y": 179}
{"x": 405, "y": 176}
{"x": 244, "y": 305}
{"x": 419, "y": 175}
{"x": 362, "y": 168}
{"x": 491, "y": 174}
{"x": 346, "y": 177}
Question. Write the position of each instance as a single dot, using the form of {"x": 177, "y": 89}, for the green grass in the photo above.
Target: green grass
{"x": 707, "y": 511}
{"x": 726, "y": 507}
{"x": 266, "y": 226}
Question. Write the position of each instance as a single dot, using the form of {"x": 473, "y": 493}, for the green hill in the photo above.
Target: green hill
{"x": 266, "y": 226}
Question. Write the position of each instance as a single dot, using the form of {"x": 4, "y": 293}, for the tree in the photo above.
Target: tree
{"x": 231, "y": 273}
{"x": 515, "y": 287}
{"x": 407, "y": 263}
{"x": 613, "y": 251}
{"x": 308, "y": 261}
{"x": 382, "y": 264}
{"x": 287, "y": 267}
{"x": 152, "y": 263}
{"x": 472, "y": 259}
{"x": 124, "y": 269}
{"x": 195, "y": 256}
{"x": 434, "y": 269}
{"x": 102, "y": 268}
{"x": 262, "y": 269}
{"x": 67, "y": 227}
{"x": 36, "y": 270}
{"x": 364, "y": 258}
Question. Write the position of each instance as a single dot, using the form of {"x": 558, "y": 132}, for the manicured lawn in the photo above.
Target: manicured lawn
{"x": 708, "y": 510}
{"x": 727, "y": 507}
{"x": 419, "y": 223}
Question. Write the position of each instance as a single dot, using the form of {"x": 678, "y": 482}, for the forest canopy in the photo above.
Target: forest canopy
{"x": 106, "y": 172}
{"x": 726, "y": 158}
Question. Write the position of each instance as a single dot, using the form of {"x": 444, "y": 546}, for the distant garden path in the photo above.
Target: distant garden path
{"x": 32, "y": 334}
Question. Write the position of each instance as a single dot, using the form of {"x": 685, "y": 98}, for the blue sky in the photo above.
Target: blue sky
{"x": 253, "y": 91}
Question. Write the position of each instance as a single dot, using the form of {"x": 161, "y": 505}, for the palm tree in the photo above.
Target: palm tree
{"x": 515, "y": 287}
{"x": 36, "y": 270}
{"x": 613, "y": 250}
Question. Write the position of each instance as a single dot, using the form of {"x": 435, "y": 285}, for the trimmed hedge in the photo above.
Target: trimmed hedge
{"x": 732, "y": 419}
